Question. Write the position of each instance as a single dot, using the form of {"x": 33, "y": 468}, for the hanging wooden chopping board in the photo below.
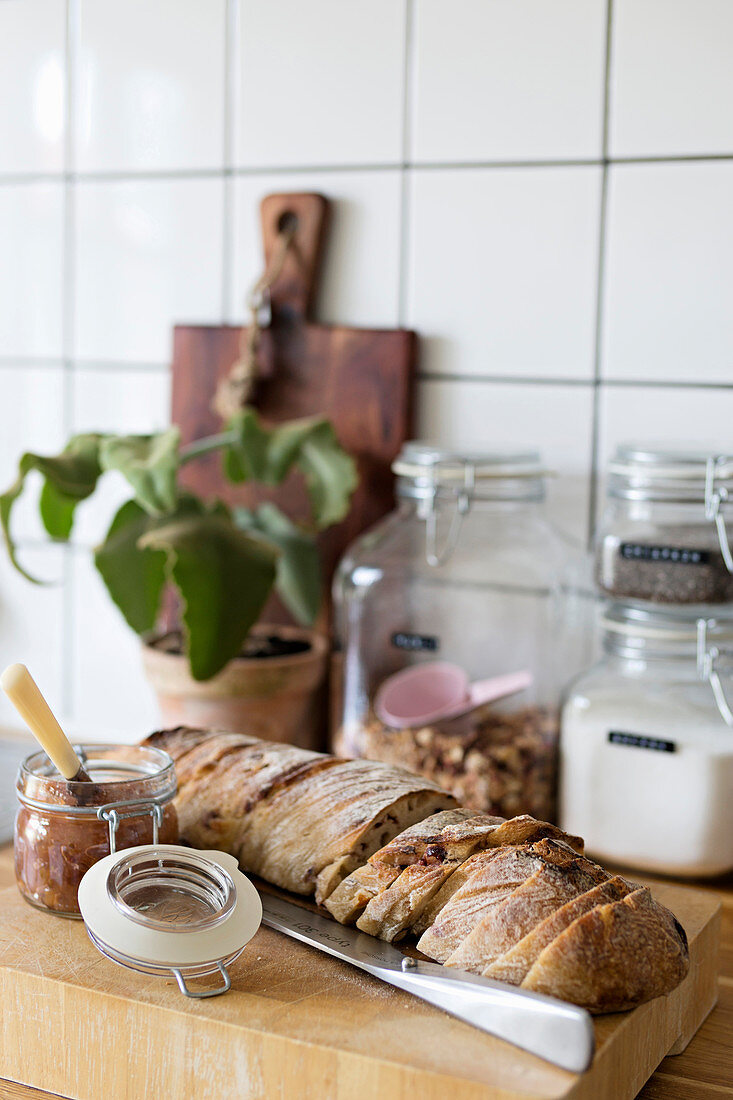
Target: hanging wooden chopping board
{"x": 361, "y": 379}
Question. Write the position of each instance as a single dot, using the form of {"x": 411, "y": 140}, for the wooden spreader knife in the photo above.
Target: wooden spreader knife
{"x": 25, "y": 695}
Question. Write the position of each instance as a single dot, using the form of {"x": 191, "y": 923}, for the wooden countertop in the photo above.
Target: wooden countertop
{"x": 703, "y": 1072}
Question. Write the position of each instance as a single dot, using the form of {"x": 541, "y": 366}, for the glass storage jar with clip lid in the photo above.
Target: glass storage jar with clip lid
{"x": 63, "y": 828}
{"x": 646, "y": 750}
{"x": 463, "y": 581}
{"x": 664, "y": 536}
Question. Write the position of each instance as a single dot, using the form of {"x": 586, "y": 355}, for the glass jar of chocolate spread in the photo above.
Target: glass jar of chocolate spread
{"x": 62, "y": 828}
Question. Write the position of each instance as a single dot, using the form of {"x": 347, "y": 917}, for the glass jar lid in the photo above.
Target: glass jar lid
{"x": 681, "y": 475}
{"x": 163, "y": 908}
{"x": 640, "y": 633}
{"x": 676, "y": 625}
{"x": 424, "y": 467}
{"x": 430, "y": 473}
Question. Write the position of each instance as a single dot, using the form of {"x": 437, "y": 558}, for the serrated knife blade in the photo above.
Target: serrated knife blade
{"x": 558, "y": 1032}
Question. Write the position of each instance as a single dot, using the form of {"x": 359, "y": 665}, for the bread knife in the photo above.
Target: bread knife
{"x": 558, "y": 1032}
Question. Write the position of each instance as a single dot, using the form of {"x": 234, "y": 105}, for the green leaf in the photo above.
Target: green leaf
{"x": 298, "y": 579}
{"x": 7, "y": 500}
{"x": 247, "y": 459}
{"x": 224, "y": 577}
{"x": 150, "y": 464}
{"x": 330, "y": 474}
{"x": 268, "y": 455}
{"x": 68, "y": 478}
{"x": 286, "y": 442}
{"x": 134, "y": 577}
{"x": 57, "y": 511}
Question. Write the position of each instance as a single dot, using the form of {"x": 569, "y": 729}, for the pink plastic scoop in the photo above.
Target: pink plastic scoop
{"x": 437, "y": 690}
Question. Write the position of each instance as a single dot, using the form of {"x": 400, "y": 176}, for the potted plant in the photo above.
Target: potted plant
{"x": 223, "y": 668}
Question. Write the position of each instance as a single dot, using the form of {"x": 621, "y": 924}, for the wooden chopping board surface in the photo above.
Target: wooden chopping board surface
{"x": 298, "y": 1024}
{"x": 361, "y": 379}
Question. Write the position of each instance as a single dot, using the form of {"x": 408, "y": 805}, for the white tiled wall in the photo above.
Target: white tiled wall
{"x": 540, "y": 187}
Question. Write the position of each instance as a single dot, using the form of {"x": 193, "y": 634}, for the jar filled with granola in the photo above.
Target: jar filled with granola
{"x": 466, "y": 575}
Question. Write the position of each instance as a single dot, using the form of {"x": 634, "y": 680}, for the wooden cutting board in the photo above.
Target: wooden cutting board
{"x": 299, "y": 1025}
{"x": 361, "y": 379}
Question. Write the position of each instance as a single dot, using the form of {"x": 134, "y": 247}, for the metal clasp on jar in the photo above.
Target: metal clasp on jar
{"x": 715, "y": 496}
{"x": 135, "y": 807}
{"x": 707, "y": 667}
{"x": 433, "y": 555}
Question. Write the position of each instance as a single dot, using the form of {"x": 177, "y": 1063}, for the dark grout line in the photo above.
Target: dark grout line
{"x": 118, "y": 366}
{"x": 10, "y": 362}
{"x": 404, "y": 237}
{"x": 595, "y": 440}
{"x": 10, "y": 179}
{"x": 640, "y": 383}
{"x": 67, "y": 341}
{"x": 20, "y": 179}
{"x": 230, "y": 48}
{"x": 129, "y": 366}
{"x": 482, "y": 165}
{"x": 606, "y": 120}
{"x": 676, "y": 158}
{"x": 19, "y": 362}
{"x": 503, "y": 379}
{"x": 583, "y": 383}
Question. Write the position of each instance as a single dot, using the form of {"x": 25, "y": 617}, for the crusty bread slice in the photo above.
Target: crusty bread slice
{"x": 430, "y": 862}
{"x": 515, "y": 831}
{"x": 459, "y": 878}
{"x": 560, "y": 877}
{"x": 514, "y": 965}
{"x": 491, "y": 881}
{"x": 526, "y": 830}
{"x": 431, "y": 853}
{"x": 331, "y": 877}
{"x": 614, "y": 957}
{"x": 353, "y": 893}
{"x": 389, "y": 914}
{"x": 450, "y": 828}
{"x": 339, "y": 814}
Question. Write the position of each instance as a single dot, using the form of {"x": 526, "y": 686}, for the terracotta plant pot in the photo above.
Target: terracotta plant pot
{"x": 277, "y": 698}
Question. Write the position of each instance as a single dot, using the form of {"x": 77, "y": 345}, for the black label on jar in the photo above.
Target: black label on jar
{"x": 682, "y": 555}
{"x": 641, "y": 741}
{"x": 415, "y": 642}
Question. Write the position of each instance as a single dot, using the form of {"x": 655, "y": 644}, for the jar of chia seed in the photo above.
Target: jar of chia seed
{"x": 466, "y": 577}
{"x": 665, "y": 534}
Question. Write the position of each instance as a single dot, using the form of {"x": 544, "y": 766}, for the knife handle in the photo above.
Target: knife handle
{"x": 552, "y": 1029}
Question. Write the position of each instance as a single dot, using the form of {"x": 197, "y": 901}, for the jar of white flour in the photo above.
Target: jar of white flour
{"x": 646, "y": 747}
